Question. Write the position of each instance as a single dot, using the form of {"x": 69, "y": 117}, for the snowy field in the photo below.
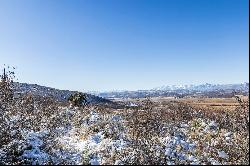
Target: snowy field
{"x": 97, "y": 137}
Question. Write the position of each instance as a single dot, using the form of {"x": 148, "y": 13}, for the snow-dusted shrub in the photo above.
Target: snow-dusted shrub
{"x": 78, "y": 99}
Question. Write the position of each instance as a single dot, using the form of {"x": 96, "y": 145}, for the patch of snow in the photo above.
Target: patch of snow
{"x": 132, "y": 104}
{"x": 118, "y": 162}
{"x": 116, "y": 118}
{"x": 222, "y": 154}
{"x": 94, "y": 117}
{"x": 94, "y": 161}
{"x": 169, "y": 152}
{"x": 97, "y": 138}
{"x": 191, "y": 158}
{"x": 2, "y": 153}
{"x": 228, "y": 134}
{"x": 184, "y": 125}
{"x": 214, "y": 162}
{"x": 36, "y": 155}
{"x": 170, "y": 163}
{"x": 213, "y": 125}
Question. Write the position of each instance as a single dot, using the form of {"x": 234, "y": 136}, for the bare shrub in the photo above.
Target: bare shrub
{"x": 144, "y": 126}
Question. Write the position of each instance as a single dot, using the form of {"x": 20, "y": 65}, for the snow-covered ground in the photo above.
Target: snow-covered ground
{"x": 96, "y": 138}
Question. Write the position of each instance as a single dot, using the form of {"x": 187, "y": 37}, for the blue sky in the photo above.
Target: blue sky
{"x": 125, "y": 44}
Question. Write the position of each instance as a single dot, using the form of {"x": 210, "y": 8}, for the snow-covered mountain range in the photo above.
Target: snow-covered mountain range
{"x": 204, "y": 87}
{"x": 205, "y": 90}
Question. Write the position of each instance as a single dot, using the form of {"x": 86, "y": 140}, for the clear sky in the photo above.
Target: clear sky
{"x": 125, "y": 44}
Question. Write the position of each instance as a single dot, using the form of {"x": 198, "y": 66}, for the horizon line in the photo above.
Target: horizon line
{"x": 122, "y": 90}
